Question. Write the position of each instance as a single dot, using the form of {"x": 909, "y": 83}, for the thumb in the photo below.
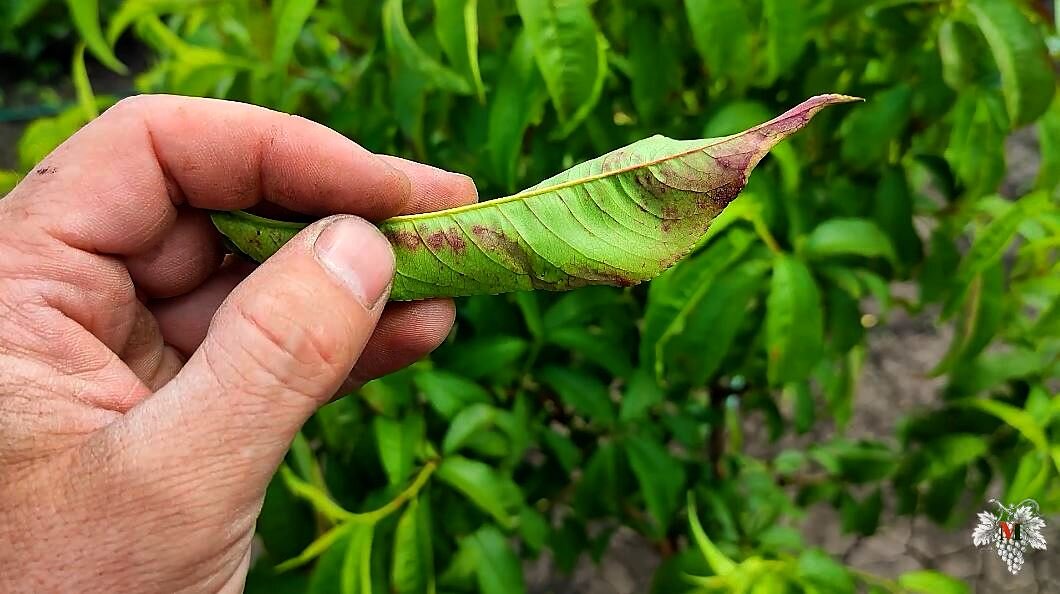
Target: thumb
{"x": 279, "y": 347}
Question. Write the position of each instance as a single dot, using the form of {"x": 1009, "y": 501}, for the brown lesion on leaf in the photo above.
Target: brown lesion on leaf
{"x": 496, "y": 241}
{"x": 403, "y": 238}
{"x": 438, "y": 240}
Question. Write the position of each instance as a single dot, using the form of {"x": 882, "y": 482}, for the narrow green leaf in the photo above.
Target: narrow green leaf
{"x": 413, "y": 565}
{"x": 719, "y": 563}
{"x": 722, "y": 34}
{"x": 1028, "y": 80}
{"x": 1049, "y": 147}
{"x": 531, "y": 310}
{"x": 962, "y": 51}
{"x": 975, "y": 149}
{"x": 794, "y": 322}
{"x": 698, "y": 352}
{"x": 893, "y": 212}
{"x": 8, "y": 181}
{"x": 990, "y": 243}
{"x": 1016, "y": 418}
{"x": 571, "y": 55}
{"x": 660, "y": 196}
{"x": 816, "y": 569}
{"x": 469, "y": 422}
{"x": 449, "y": 393}
{"x": 499, "y": 569}
{"x": 517, "y": 102}
{"x": 926, "y": 581}
{"x": 397, "y": 442}
{"x": 869, "y": 132}
{"x": 131, "y": 11}
{"x": 655, "y": 67}
{"x": 567, "y": 454}
{"x": 401, "y": 45}
{"x": 640, "y": 395}
{"x": 661, "y": 478}
{"x": 848, "y": 237}
{"x": 357, "y": 565}
{"x": 582, "y": 392}
{"x": 86, "y": 99}
{"x": 493, "y": 492}
{"x": 456, "y": 25}
{"x": 325, "y": 542}
{"x": 316, "y": 496}
{"x": 605, "y": 352}
{"x": 85, "y": 14}
{"x": 786, "y": 34}
{"x": 289, "y": 17}
{"x": 677, "y": 294}
{"x": 982, "y": 317}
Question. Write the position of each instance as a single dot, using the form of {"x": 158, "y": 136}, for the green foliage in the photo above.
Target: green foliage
{"x": 549, "y": 420}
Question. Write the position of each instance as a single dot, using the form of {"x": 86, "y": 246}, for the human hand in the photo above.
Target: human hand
{"x": 137, "y": 436}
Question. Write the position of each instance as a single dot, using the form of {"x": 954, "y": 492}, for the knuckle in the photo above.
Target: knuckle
{"x": 301, "y": 354}
{"x": 134, "y": 104}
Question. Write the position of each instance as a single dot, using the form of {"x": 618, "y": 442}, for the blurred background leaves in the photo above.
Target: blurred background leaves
{"x": 549, "y": 421}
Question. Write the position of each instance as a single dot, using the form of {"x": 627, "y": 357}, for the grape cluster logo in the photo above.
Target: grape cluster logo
{"x": 1011, "y": 531}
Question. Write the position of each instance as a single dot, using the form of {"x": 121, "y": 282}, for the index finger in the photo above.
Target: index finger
{"x": 113, "y": 187}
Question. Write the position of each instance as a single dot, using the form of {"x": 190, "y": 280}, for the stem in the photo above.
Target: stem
{"x": 376, "y": 515}
{"x": 716, "y": 445}
{"x": 764, "y": 234}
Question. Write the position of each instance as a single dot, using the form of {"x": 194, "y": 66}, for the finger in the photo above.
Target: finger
{"x": 112, "y": 187}
{"x": 407, "y": 332}
{"x": 184, "y": 320}
{"x": 279, "y": 347}
{"x": 432, "y": 188}
{"x": 184, "y": 257}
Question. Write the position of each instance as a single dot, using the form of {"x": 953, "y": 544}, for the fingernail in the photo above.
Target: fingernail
{"x": 358, "y": 256}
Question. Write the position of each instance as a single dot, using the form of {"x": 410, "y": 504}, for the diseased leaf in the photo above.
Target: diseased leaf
{"x": 456, "y": 25}
{"x": 574, "y": 229}
{"x": 1028, "y": 80}
{"x": 571, "y": 55}
{"x": 794, "y": 322}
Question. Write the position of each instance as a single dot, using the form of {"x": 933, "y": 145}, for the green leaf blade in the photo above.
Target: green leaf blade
{"x": 617, "y": 220}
